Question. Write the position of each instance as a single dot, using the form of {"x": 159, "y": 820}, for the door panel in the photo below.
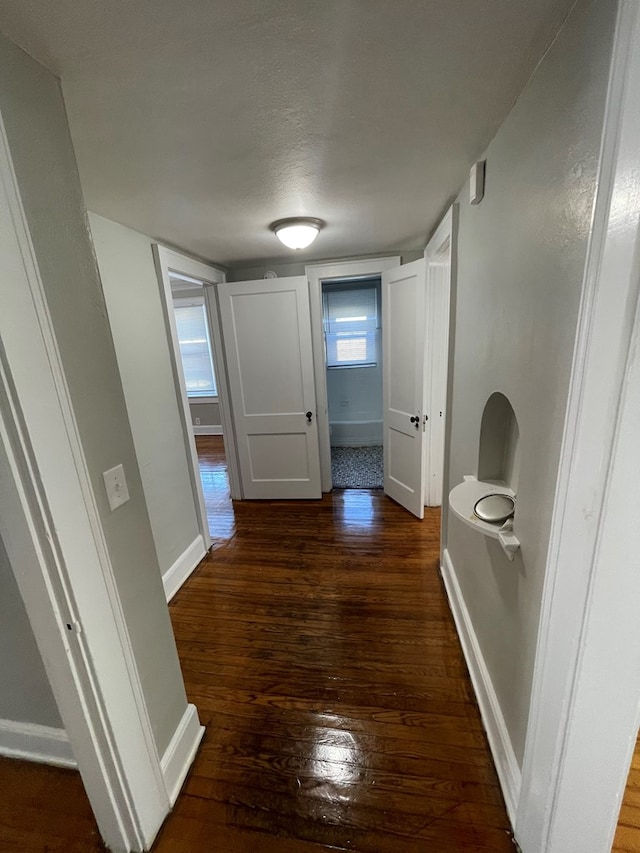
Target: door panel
{"x": 267, "y": 339}
{"x": 278, "y": 457}
{"x": 403, "y": 324}
{"x": 401, "y": 353}
{"x": 259, "y": 320}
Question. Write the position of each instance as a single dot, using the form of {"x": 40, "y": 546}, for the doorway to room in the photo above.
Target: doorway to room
{"x": 352, "y": 326}
{"x": 197, "y": 362}
{"x": 191, "y": 317}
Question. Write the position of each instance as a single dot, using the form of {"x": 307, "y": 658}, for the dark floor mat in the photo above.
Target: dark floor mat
{"x": 357, "y": 467}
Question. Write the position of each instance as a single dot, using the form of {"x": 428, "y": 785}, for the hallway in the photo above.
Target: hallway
{"x": 318, "y": 646}
{"x": 319, "y": 649}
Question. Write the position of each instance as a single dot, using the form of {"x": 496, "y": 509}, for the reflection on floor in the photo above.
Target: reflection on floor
{"x": 318, "y": 646}
{"x": 215, "y": 485}
{"x": 357, "y": 467}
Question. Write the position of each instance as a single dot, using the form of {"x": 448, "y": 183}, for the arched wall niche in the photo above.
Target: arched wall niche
{"x": 499, "y": 456}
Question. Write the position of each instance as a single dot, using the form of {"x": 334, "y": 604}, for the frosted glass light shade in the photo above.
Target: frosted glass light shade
{"x": 297, "y": 233}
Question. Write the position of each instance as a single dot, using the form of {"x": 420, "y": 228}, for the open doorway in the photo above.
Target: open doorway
{"x": 193, "y": 325}
{"x": 320, "y": 276}
{"x": 351, "y": 313}
{"x": 423, "y": 352}
{"x": 191, "y": 315}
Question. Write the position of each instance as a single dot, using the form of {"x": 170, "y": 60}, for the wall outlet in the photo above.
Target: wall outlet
{"x": 197, "y": 421}
{"x": 116, "y": 487}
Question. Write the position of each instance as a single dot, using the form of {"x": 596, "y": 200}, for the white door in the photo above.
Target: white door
{"x": 438, "y": 282}
{"x": 403, "y": 330}
{"x": 266, "y": 329}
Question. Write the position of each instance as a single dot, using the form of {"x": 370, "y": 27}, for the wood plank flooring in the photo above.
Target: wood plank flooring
{"x": 44, "y": 809}
{"x": 627, "y": 838}
{"x": 215, "y": 486}
{"x": 319, "y": 649}
{"x": 317, "y": 644}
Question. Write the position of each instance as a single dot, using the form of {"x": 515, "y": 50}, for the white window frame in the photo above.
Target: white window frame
{"x": 191, "y": 302}
{"x": 347, "y": 286}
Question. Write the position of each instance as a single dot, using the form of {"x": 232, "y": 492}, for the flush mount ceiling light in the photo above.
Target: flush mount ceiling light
{"x": 297, "y": 232}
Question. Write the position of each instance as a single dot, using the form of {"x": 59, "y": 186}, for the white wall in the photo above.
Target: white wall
{"x": 355, "y": 394}
{"x": 207, "y": 411}
{"x": 132, "y": 295}
{"x": 25, "y": 695}
{"x": 521, "y": 256}
{"x": 34, "y": 115}
{"x": 283, "y": 266}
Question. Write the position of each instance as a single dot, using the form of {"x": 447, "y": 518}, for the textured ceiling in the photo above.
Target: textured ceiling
{"x": 199, "y": 122}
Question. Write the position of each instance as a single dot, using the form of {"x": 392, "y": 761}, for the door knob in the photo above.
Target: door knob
{"x": 415, "y": 421}
{"x": 309, "y": 416}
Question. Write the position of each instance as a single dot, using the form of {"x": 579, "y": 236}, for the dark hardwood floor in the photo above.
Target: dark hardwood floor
{"x": 44, "y": 809}
{"x": 627, "y": 838}
{"x": 215, "y": 485}
{"x": 318, "y": 646}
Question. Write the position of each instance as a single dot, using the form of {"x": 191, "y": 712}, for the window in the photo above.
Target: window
{"x": 351, "y": 324}
{"x": 195, "y": 347}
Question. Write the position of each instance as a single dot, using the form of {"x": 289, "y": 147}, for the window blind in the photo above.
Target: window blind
{"x": 351, "y": 326}
{"x": 195, "y": 350}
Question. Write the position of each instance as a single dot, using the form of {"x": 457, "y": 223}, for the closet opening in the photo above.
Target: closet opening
{"x": 352, "y": 326}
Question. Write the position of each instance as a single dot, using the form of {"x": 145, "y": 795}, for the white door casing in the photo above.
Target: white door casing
{"x": 439, "y": 257}
{"x": 51, "y": 527}
{"x": 318, "y": 274}
{"x": 403, "y": 336}
{"x": 224, "y": 396}
{"x": 168, "y": 261}
{"x": 267, "y": 341}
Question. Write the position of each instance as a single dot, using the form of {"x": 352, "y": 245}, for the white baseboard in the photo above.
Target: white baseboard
{"x": 211, "y": 429}
{"x": 509, "y": 772}
{"x": 177, "y": 574}
{"x": 356, "y": 442}
{"x": 33, "y": 742}
{"x": 355, "y": 433}
{"x": 179, "y": 755}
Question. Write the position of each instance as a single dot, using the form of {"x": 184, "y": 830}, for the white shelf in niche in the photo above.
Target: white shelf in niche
{"x": 464, "y": 497}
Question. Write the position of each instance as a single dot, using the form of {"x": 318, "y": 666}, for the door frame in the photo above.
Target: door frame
{"x": 437, "y": 345}
{"x": 169, "y": 261}
{"x": 359, "y": 268}
{"x": 585, "y": 708}
{"x": 51, "y": 528}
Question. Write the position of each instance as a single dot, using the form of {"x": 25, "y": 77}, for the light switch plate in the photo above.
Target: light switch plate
{"x": 116, "y": 487}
